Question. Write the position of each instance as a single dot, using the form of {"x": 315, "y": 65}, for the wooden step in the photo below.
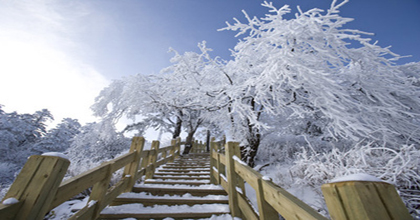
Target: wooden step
{"x": 181, "y": 177}
{"x": 187, "y": 163}
{"x": 182, "y": 174}
{"x": 167, "y": 182}
{"x": 160, "y": 216}
{"x": 195, "y": 191}
{"x": 167, "y": 201}
{"x": 185, "y": 167}
{"x": 183, "y": 170}
{"x": 139, "y": 211}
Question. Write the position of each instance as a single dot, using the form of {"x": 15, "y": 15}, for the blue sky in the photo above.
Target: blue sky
{"x": 59, "y": 54}
{"x": 145, "y": 30}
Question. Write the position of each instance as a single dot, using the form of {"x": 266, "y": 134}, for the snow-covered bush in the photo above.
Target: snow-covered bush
{"x": 398, "y": 167}
{"x": 95, "y": 143}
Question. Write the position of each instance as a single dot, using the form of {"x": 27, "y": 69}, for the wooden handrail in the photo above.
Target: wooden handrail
{"x": 41, "y": 180}
{"x": 346, "y": 201}
{"x": 39, "y": 188}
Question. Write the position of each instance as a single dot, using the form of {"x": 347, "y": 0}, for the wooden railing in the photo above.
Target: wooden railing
{"x": 198, "y": 147}
{"x": 39, "y": 188}
{"x": 352, "y": 200}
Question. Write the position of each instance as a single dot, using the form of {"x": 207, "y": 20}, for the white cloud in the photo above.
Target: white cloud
{"x": 35, "y": 77}
{"x": 38, "y": 66}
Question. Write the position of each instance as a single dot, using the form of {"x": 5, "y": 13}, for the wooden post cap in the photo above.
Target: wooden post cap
{"x": 361, "y": 199}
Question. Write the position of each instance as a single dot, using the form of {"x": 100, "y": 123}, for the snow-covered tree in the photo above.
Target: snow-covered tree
{"x": 18, "y": 135}
{"x": 312, "y": 68}
{"x": 59, "y": 138}
{"x": 19, "y": 132}
{"x": 95, "y": 143}
{"x": 137, "y": 98}
{"x": 177, "y": 97}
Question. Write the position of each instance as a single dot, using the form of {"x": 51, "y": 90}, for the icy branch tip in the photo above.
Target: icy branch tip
{"x": 10, "y": 201}
{"x": 356, "y": 177}
{"x": 56, "y": 154}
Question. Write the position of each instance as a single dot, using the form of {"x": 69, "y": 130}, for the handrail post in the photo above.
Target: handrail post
{"x": 353, "y": 200}
{"x": 178, "y": 147}
{"x": 173, "y": 150}
{"x": 266, "y": 211}
{"x": 152, "y": 159}
{"x": 213, "y": 179}
{"x": 145, "y": 155}
{"x": 36, "y": 185}
{"x": 99, "y": 190}
{"x": 137, "y": 145}
{"x": 232, "y": 149}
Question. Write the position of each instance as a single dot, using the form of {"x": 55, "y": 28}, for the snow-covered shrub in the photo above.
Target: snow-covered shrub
{"x": 398, "y": 167}
{"x": 96, "y": 143}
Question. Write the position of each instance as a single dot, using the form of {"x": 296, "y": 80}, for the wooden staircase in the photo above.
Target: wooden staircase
{"x": 178, "y": 190}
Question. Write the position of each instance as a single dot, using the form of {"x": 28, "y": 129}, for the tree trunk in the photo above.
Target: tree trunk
{"x": 188, "y": 142}
{"x": 208, "y": 141}
{"x": 250, "y": 151}
{"x": 178, "y": 126}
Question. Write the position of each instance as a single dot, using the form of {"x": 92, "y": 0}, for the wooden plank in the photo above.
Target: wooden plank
{"x": 224, "y": 184}
{"x": 131, "y": 169}
{"x": 177, "y": 182}
{"x": 365, "y": 200}
{"x": 392, "y": 201}
{"x": 140, "y": 173}
{"x": 288, "y": 205}
{"x": 115, "y": 191}
{"x": 232, "y": 149}
{"x": 334, "y": 202}
{"x": 167, "y": 201}
{"x": 40, "y": 190}
{"x": 152, "y": 159}
{"x": 222, "y": 159}
{"x": 180, "y": 191}
{"x": 359, "y": 197}
{"x": 161, "y": 215}
{"x": 8, "y": 212}
{"x": 121, "y": 161}
{"x": 181, "y": 177}
{"x": 246, "y": 208}
{"x": 248, "y": 174}
{"x": 172, "y": 150}
{"x": 23, "y": 179}
{"x": 77, "y": 184}
{"x": 266, "y": 211}
{"x": 99, "y": 190}
{"x": 181, "y": 174}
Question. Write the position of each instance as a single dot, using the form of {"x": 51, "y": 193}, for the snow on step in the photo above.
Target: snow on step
{"x": 141, "y": 209}
{"x": 179, "y": 186}
{"x": 186, "y": 196}
{"x": 183, "y": 174}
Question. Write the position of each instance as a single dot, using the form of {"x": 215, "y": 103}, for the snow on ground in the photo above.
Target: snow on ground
{"x": 64, "y": 211}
